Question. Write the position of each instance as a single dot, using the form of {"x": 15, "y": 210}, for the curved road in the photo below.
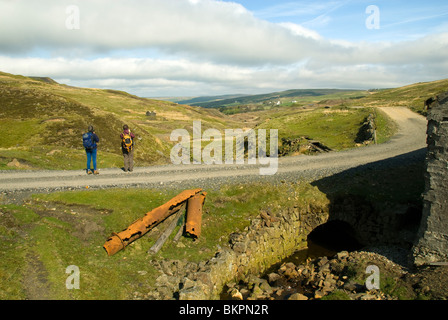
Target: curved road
{"x": 411, "y": 137}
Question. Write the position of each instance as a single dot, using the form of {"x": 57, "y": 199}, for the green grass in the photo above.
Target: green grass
{"x": 226, "y": 210}
{"x": 13, "y": 219}
{"x": 50, "y": 158}
{"x": 336, "y": 128}
{"x": 336, "y": 295}
{"x": 18, "y": 132}
{"x": 386, "y": 127}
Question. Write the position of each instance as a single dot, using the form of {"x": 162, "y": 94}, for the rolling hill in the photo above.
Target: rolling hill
{"x": 412, "y": 96}
{"x": 284, "y": 96}
{"x": 42, "y": 122}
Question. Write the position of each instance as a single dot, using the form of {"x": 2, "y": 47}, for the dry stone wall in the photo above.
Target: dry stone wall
{"x": 270, "y": 238}
{"x": 432, "y": 240}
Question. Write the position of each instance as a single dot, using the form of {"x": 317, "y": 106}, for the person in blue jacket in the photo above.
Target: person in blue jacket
{"x": 90, "y": 140}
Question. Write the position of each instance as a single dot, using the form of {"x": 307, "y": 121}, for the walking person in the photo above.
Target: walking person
{"x": 90, "y": 140}
{"x": 127, "y": 147}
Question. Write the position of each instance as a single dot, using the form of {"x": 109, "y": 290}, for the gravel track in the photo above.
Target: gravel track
{"x": 410, "y": 140}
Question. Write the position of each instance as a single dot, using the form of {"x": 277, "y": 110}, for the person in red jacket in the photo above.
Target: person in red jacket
{"x": 127, "y": 147}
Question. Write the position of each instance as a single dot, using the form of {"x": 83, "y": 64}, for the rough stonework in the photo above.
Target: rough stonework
{"x": 269, "y": 239}
{"x": 432, "y": 240}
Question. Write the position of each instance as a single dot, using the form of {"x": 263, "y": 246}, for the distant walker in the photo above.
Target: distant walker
{"x": 127, "y": 148}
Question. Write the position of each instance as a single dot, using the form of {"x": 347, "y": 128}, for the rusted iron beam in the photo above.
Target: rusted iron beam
{"x": 138, "y": 228}
{"x": 194, "y": 214}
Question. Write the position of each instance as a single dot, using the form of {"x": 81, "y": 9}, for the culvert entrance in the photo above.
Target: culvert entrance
{"x": 333, "y": 236}
{"x": 325, "y": 240}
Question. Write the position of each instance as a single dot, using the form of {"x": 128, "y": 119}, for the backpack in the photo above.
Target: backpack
{"x": 87, "y": 141}
{"x": 127, "y": 141}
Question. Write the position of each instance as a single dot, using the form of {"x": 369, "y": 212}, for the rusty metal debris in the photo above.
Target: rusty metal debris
{"x": 140, "y": 227}
{"x": 194, "y": 215}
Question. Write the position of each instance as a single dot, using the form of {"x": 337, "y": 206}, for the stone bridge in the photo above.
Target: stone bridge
{"x": 274, "y": 236}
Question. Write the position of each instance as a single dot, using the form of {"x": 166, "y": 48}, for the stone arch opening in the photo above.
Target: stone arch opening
{"x": 334, "y": 235}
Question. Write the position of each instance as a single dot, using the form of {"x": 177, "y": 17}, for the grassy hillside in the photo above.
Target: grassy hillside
{"x": 412, "y": 96}
{"x": 43, "y": 121}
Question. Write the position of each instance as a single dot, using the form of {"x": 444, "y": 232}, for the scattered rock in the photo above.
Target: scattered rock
{"x": 353, "y": 286}
{"x": 17, "y": 164}
{"x": 302, "y": 145}
{"x": 342, "y": 255}
{"x": 273, "y": 277}
{"x": 321, "y": 277}
{"x": 298, "y": 296}
{"x": 318, "y": 294}
{"x": 236, "y": 294}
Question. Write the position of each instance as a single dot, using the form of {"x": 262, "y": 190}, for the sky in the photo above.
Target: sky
{"x": 173, "y": 48}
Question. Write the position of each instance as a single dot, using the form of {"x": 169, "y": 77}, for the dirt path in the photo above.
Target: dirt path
{"x": 411, "y": 137}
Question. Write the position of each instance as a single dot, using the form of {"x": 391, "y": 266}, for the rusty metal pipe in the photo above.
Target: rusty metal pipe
{"x": 138, "y": 228}
{"x": 194, "y": 215}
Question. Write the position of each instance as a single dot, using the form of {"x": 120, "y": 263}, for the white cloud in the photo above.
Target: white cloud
{"x": 301, "y": 31}
{"x": 217, "y": 31}
{"x": 198, "y": 47}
